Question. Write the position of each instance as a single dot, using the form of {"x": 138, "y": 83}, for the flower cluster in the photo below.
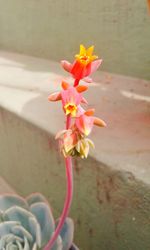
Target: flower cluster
{"x": 73, "y": 140}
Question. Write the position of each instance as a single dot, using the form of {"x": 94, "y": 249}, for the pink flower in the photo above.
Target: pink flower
{"x": 85, "y": 122}
{"x": 84, "y": 65}
{"x": 70, "y": 101}
{"x": 72, "y": 143}
{"x": 71, "y": 98}
{"x": 67, "y": 140}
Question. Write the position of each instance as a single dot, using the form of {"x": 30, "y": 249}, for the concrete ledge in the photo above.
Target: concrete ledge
{"x": 5, "y": 187}
{"x": 111, "y": 204}
{"x": 123, "y": 102}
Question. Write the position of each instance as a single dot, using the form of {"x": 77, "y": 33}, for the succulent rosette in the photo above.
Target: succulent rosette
{"x": 28, "y": 224}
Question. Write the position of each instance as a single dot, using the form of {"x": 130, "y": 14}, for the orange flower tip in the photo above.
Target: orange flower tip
{"x": 81, "y": 88}
{"x": 90, "y": 112}
{"x": 99, "y": 122}
{"x": 54, "y": 97}
{"x": 65, "y": 85}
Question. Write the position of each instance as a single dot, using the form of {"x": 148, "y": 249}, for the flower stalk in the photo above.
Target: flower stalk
{"x": 69, "y": 195}
{"x": 68, "y": 200}
{"x": 79, "y": 123}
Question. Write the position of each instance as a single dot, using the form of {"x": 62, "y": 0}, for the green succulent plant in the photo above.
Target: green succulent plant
{"x": 28, "y": 224}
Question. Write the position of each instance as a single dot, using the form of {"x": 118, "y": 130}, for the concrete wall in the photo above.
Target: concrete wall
{"x": 119, "y": 29}
{"x": 110, "y": 208}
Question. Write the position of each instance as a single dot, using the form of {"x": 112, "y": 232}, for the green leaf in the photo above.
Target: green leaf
{"x": 35, "y": 231}
{"x": 21, "y": 232}
{"x": 35, "y": 198}
{"x": 8, "y": 238}
{"x": 7, "y": 226}
{"x": 18, "y": 214}
{"x": 57, "y": 244}
{"x": 26, "y": 245}
{"x": 67, "y": 233}
{"x": 11, "y": 246}
{"x": 44, "y": 216}
{"x": 8, "y": 201}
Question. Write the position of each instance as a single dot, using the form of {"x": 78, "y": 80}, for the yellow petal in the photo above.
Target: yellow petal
{"x": 67, "y": 111}
{"x": 93, "y": 57}
{"x": 89, "y": 51}
{"x": 86, "y": 149}
{"x": 82, "y": 50}
{"x": 78, "y": 146}
{"x": 90, "y": 143}
{"x": 73, "y": 113}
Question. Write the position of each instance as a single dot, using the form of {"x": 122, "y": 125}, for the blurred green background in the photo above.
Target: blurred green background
{"x": 119, "y": 29}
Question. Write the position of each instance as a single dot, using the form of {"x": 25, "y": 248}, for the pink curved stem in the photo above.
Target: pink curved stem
{"x": 67, "y": 203}
{"x": 69, "y": 194}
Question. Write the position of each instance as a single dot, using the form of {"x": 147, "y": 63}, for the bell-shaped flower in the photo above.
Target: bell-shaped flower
{"x": 86, "y": 120}
{"x": 84, "y": 64}
{"x": 70, "y": 101}
{"x": 73, "y": 143}
{"x": 68, "y": 140}
{"x": 71, "y": 98}
{"x": 83, "y": 146}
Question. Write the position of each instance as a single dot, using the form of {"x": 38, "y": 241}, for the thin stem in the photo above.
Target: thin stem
{"x": 67, "y": 205}
{"x": 76, "y": 82}
{"x": 69, "y": 194}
